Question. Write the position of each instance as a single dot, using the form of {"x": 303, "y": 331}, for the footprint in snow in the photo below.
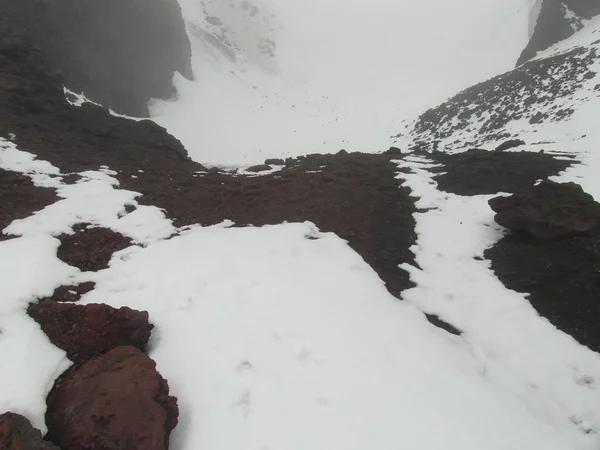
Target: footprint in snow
{"x": 244, "y": 402}
{"x": 585, "y": 380}
{"x": 244, "y": 366}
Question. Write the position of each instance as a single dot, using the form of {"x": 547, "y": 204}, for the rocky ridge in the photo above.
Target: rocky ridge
{"x": 513, "y": 105}
{"x": 120, "y": 53}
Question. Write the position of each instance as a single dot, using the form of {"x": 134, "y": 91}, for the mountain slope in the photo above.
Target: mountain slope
{"x": 275, "y": 332}
{"x": 556, "y": 20}
{"x": 540, "y": 95}
{"x": 119, "y": 53}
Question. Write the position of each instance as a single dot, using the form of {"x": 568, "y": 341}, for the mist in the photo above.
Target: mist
{"x": 281, "y": 78}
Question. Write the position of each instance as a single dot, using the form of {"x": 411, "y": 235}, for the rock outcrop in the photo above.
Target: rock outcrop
{"x": 548, "y": 211}
{"x": 33, "y": 108}
{"x": 17, "y": 433}
{"x": 506, "y": 106}
{"x": 120, "y": 53}
{"x": 86, "y": 331}
{"x": 78, "y": 249}
{"x": 117, "y": 400}
{"x": 71, "y": 293}
{"x": 558, "y": 20}
{"x": 479, "y": 172}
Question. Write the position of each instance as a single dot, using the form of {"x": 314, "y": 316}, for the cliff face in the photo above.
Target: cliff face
{"x": 120, "y": 53}
{"x": 558, "y": 20}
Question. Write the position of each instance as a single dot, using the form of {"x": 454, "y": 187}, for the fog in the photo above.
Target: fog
{"x": 278, "y": 78}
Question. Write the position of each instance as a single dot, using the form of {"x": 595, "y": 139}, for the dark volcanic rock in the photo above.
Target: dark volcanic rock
{"x": 121, "y": 53}
{"x": 71, "y": 293}
{"x": 33, "y": 107}
{"x": 554, "y": 24}
{"x": 16, "y": 433}
{"x": 477, "y": 172}
{"x": 90, "y": 249}
{"x": 548, "y": 211}
{"x": 86, "y": 331}
{"x": 560, "y": 275}
{"x": 116, "y": 401}
{"x": 275, "y": 161}
{"x": 354, "y": 195}
{"x": 481, "y": 114}
{"x": 19, "y": 198}
{"x": 393, "y": 151}
{"x": 511, "y": 143}
{"x": 442, "y": 324}
{"x": 259, "y": 168}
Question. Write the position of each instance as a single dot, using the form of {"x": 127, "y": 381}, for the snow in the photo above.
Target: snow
{"x": 29, "y": 363}
{"x": 282, "y": 336}
{"x": 518, "y": 349}
{"x": 316, "y": 77}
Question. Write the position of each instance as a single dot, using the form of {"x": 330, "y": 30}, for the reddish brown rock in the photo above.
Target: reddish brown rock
{"x": 72, "y": 293}
{"x": 548, "y": 211}
{"x": 17, "y": 433}
{"x": 115, "y": 401}
{"x": 86, "y": 331}
{"x": 259, "y": 168}
{"x": 90, "y": 248}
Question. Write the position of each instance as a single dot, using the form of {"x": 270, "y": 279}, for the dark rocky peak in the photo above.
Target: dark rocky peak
{"x": 558, "y": 20}
{"x": 120, "y": 53}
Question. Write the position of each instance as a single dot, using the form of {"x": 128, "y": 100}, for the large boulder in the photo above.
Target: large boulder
{"x": 548, "y": 211}
{"x": 120, "y": 53}
{"x": 116, "y": 401}
{"x": 558, "y": 20}
{"x": 86, "y": 331}
{"x": 17, "y": 433}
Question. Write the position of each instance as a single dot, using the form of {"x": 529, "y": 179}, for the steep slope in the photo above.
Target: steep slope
{"x": 120, "y": 53}
{"x": 279, "y": 335}
{"x": 547, "y": 102}
{"x": 556, "y": 20}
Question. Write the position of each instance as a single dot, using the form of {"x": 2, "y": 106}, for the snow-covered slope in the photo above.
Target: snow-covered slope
{"x": 284, "y": 78}
{"x": 551, "y": 103}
